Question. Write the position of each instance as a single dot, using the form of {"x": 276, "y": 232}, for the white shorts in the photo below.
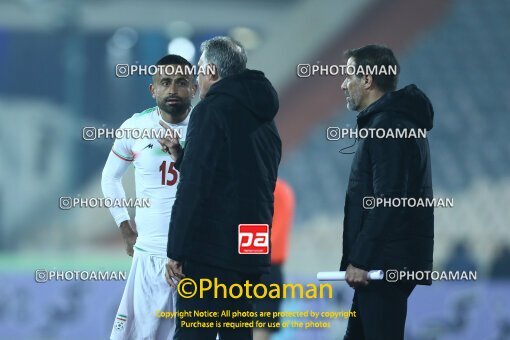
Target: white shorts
{"x": 146, "y": 292}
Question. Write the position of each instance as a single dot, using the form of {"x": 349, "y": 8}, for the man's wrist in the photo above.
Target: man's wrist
{"x": 125, "y": 228}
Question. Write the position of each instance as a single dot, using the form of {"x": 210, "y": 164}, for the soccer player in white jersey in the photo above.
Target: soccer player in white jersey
{"x": 156, "y": 179}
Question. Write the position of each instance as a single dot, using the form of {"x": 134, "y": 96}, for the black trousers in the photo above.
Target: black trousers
{"x": 381, "y": 310}
{"x": 272, "y": 305}
{"x": 209, "y": 303}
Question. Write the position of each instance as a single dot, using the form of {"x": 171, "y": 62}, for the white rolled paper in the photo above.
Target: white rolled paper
{"x": 340, "y": 276}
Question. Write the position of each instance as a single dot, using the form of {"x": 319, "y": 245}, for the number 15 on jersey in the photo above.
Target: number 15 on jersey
{"x": 168, "y": 176}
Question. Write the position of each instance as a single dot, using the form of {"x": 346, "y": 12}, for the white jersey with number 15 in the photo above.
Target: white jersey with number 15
{"x": 156, "y": 178}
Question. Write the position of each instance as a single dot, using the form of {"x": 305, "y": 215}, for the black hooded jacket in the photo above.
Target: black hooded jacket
{"x": 227, "y": 173}
{"x": 400, "y": 238}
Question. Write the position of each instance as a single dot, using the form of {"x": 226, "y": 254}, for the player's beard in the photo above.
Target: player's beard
{"x": 174, "y": 110}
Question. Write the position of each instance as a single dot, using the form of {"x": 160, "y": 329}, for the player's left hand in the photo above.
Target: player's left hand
{"x": 356, "y": 277}
{"x": 173, "y": 272}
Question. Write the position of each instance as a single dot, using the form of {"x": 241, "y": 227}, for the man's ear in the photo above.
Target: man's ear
{"x": 214, "y": 76}
{"x": 367, "y": 81}
{"x": 151, "y": 89}
{"x": 194, "y": 88}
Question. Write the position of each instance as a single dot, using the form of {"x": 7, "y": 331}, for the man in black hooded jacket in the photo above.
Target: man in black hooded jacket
{"x": 381, "y": 236}
{"x": 228, "y": 172}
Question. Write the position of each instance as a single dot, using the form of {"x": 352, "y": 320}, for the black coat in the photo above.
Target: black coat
{"x": 227, "y": 173}
{"x": 389, "y": 237}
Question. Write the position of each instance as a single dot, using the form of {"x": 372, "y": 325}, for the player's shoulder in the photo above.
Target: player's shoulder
{"x": 136, "y": 119}
{"x": 145, "y": 113}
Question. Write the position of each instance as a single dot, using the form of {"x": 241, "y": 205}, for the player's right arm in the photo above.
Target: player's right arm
{"x": 111, "y": 182}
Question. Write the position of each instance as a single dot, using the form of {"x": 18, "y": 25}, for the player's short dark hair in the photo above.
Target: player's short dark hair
{"x": 372, "y": 55}
{"x": 173, "y": 59}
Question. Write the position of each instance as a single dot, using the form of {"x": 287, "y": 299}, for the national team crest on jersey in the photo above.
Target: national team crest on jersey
{"x": 120, "y": 321}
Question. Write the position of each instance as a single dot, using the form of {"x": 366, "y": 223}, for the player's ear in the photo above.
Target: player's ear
{"x": 367, "y": 81}
{"x": 151, "y": 89}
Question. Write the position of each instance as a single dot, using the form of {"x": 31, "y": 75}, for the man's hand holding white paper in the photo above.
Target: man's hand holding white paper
{"x": 340, "y": 275}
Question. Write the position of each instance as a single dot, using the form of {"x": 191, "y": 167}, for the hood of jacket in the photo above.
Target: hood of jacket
{"x": 252, "y": 90}
{"x": 410, "y": 102}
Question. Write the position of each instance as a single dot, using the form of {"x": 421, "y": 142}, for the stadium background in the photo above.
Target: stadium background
{"x": 57, "y": 75}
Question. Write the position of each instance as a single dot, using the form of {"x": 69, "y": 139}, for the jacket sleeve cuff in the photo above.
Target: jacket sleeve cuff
{"x": 360, "y": 256}
{"x": 178, "y": 162}
{"x": 359, "y": 265}
{"x": 174, "y": 256}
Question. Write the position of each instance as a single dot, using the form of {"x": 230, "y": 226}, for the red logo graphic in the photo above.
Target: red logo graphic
{"x": 253, "y": 239}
